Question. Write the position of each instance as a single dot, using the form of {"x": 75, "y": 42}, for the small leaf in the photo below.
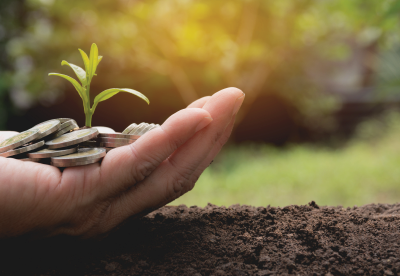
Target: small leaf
{"x": 99, "y": 59}
{"x": 76, "y": 84}
{"x": 106, "y": 94}
{"x": 94, "y": 56}
{"x": 80, "y": 73}
{"x": 85, "y": 59}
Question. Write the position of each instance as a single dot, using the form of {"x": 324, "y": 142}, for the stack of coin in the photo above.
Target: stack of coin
{"x": 29, "y": 140}
{"x": 66, "y": 126}
{"x": 140, "y": 129}
{"x": 103, "y": 129}
{"x": 112, "y": 140}
{"x": 61, "y": 143}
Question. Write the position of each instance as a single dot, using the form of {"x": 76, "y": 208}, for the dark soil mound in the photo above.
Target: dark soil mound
{"x": 239, "y": 240}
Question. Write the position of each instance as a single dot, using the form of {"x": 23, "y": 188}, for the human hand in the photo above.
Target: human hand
{"x": 133, "y": 180}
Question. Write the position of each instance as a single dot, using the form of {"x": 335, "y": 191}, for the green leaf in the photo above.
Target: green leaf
{"x": 80, "y": 73}
{"x": 85, "y": 59}
{"x": 106, "y": 94}
{"x": 94, "y": 56}
{"x": 76, "y": 84}
{"x": 99, "y": 59}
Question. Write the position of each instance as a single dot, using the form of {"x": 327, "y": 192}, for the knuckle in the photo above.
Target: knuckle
{"x": 179, "y": 184}
{"x": 173, "y": 144}
{"x": 143, "y": 168}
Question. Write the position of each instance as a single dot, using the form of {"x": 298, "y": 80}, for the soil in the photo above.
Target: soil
{"x": 239, "y": 240}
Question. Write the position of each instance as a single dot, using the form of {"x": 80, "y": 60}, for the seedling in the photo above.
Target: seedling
{"x": 86, "y": 76}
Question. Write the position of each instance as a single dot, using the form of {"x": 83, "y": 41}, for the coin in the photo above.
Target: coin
{"x": 139, "y": 129}
{"x": 22, "y": 149}
{"x": 142, "y": 128}
{"x": 48, "y": 153}
{"x": 118, "y": 135}
{"x": 129, "y": 128}
{"x": 102, "y": 129}
{"x": 112, "y": 144}
{"x": 73, "y": 138}
{"x": 63, "y": 131}
{"x": 82, "y": 163}
{"x": 89, "y": 144}
{"x": 47, "y": 128}
{"x": 84, "y": 155}
{"x": 62, "y": 120}
{"x": 19, "y": 139}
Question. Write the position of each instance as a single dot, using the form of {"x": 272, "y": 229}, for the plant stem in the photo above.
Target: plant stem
{"x": 88, "y": 113}
{"x": 88, "y": 122}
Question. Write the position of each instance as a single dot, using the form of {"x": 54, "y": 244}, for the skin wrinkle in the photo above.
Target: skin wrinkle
{"x": 178, "y": 181}
{"x": 143, "y": 171}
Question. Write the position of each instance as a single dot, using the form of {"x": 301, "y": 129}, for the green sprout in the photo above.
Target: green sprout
{"x": 85, "y": 76}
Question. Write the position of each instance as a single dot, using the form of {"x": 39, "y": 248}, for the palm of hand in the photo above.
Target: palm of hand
{"x": 91, "y": 200}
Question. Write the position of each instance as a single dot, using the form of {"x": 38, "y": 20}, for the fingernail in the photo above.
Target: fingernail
{"x": 205, "y": 122}
{"x": 238, "y": 104}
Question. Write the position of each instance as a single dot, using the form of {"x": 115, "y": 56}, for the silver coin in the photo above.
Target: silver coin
{"x": 102, "y": 129}
{"x": 118, "y": 135}
{"x": 82, "y": 163}
{"x": 68, "y": 123}
{"x": 62, "y": 120}
{"x": 63, "y": 131}
{"x": 129, "y": 128}
{"x": 138, "y": 129}
{"x": 73, "y": 138}
{"x": 22, "y": 149}
{"x": 82, "y": 155}
{"x": 142, "y": 128}
{"x": 48, "y": 153}
{"x": 89, "y": 144}
{"x": 19, "y": 139}
{"x": 112, "y": 144}
{"x": 47, "y": 128}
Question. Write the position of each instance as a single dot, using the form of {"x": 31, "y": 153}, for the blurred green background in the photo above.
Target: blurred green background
{"x": 321, "y": 79}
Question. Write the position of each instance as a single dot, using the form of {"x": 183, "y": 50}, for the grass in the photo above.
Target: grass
{"x": 366, "y": 170}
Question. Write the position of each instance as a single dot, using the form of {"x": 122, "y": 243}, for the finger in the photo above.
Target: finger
{"x": 182, "y": 163}
{"x": 173, "y": 175}
{"x": 6, "y": 134}
{"x": 199, "y": 103}
{"x": 214, "y": 152}
{"x": 125, "y": 166}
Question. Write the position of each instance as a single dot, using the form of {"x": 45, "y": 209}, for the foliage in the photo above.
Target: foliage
{"x": 365, "y": 171}
{"x": 193, "y": 48}
{"x": 86, "y": 76}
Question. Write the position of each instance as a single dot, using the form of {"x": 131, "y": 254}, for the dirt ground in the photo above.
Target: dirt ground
{"x": 239, "y": 240}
